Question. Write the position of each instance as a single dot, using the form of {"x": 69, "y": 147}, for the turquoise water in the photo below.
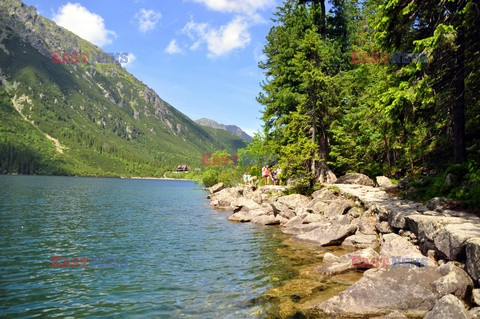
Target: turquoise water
{"x": 165, "y": 253}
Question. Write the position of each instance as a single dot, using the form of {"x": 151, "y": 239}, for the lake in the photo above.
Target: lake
{"x": 154, "y": 249}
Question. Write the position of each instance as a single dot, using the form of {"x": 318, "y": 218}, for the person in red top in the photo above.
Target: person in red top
{"x": 266, "y": 174}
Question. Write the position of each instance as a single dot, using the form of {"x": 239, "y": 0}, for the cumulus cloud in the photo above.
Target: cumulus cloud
{"x": 147, "y": 19}
{"x": 220, "y": 40}
{"x": 173, "y": 47}
{"x": 90, "y": 26}
{"x": 130, "y": 58}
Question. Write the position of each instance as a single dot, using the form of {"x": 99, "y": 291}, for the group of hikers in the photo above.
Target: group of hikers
{"x": 267, "y": 175}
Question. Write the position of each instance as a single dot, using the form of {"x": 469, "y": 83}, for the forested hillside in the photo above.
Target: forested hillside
{"x": 379, "y": 87}
{"x": 85, "y": 118}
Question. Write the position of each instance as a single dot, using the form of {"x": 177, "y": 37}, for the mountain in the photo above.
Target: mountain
{"x": 85, "y": 118}
{"x": 231, "y": 128}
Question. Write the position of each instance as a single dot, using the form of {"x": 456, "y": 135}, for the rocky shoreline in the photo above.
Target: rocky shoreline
{"x": 419, "y": 261}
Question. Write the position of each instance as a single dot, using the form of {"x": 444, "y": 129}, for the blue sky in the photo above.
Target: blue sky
{"x": 201, "y": 56}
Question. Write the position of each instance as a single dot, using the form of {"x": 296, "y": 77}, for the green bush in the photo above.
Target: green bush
{"x": 210, "y": 178}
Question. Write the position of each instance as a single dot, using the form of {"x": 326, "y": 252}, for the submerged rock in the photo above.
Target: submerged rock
{"x": 361, "y": 259}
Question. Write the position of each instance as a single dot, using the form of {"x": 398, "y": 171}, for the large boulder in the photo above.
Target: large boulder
{"x": 294, "y": 200}
{"x": 283, "y": 210}
{"x": 427, "y": 226}
{"x": 355, "y": 178}
{"x": 216, "y": 188}
{"x": 338, "y": 207}
{"x": 384, "y": 181}
{"x": 327, "y": 234}
{"x": 381, "y": 291}
{"x": 244, "y": 204}
{"x": 242, "y": 217}
{"x": 454, "y": 281}
{"x": 265, "y": 220}
{"x": 448, "y": 307}
{"x": 366, "y": 224}
{"x": 402, "y": 253}
{"x": 452, "y": 239}
{"x": 473, "y": 259}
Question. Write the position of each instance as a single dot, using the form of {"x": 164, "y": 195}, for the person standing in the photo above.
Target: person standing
{"x": 265, "y": 174}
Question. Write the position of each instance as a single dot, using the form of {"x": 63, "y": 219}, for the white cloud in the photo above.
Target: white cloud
{"x": 173, "y": 47}
{"x": 87, "y": 25}
{"x": 130, "y": 58}
{"x": 220, "y": 40}
{"x": 147, "y": 19}
{"x": 249, "y": 7}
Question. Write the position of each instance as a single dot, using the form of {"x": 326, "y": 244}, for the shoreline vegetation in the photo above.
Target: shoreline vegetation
{"x": 383, "y": 257}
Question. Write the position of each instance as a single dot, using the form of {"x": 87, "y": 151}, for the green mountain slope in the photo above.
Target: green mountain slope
{"x": 85, "y": 118}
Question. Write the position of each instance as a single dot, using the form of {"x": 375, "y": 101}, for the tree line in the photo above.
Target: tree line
{"x": 324, "y": 112}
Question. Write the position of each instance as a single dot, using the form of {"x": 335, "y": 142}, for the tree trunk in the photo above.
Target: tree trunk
{"x": 460, "y": 153}
{"x": 323, "y": 28}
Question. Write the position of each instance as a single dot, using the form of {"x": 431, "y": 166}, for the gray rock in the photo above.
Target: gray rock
{"x": 396, "y": 217}
{"x": 426, "y": 228}
{"x": 384, "y": 181}
{"x": 341, "y": 220}
{"x": 301, "y": 229}
{"x": 381, "y": 291}
{"x": 438, "y": 203}
{"x": 338, "y": 207}
{"x": 402, "y": 253}
{"x": 452, "y": 239}
{"x": 242, "y": 217}
{"x": 314, "y": 218}
{"x": 283, "y": 210}
{"x": 455, "y": 281}
{"x": 355, "y": 178}
{"x": 244, "y": 204}
{"x": 448, "y": 307}
{"x": 325, "y": 194}
{"x": 355, "y": 212}
{"x": 383, "y": 227}
{"x": 317, "y": 206}
{"x": 327, "y": 235}
{"x": 474, "y": 313}
{"x": 472, "y": 264}
{"x": 294, "y": 200}
{"x": 476, "y": 296}
{"x": 394, "y": 315}
{"x": 294, "y": 222}
{"x": 361, "y": 241}
{"x": 216, "y": 188}
{"x": 361, "y": 259}
{"x": 403, "y": 183}
{"x": 265, "y": 220}
{"x": 366, "y": 225}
